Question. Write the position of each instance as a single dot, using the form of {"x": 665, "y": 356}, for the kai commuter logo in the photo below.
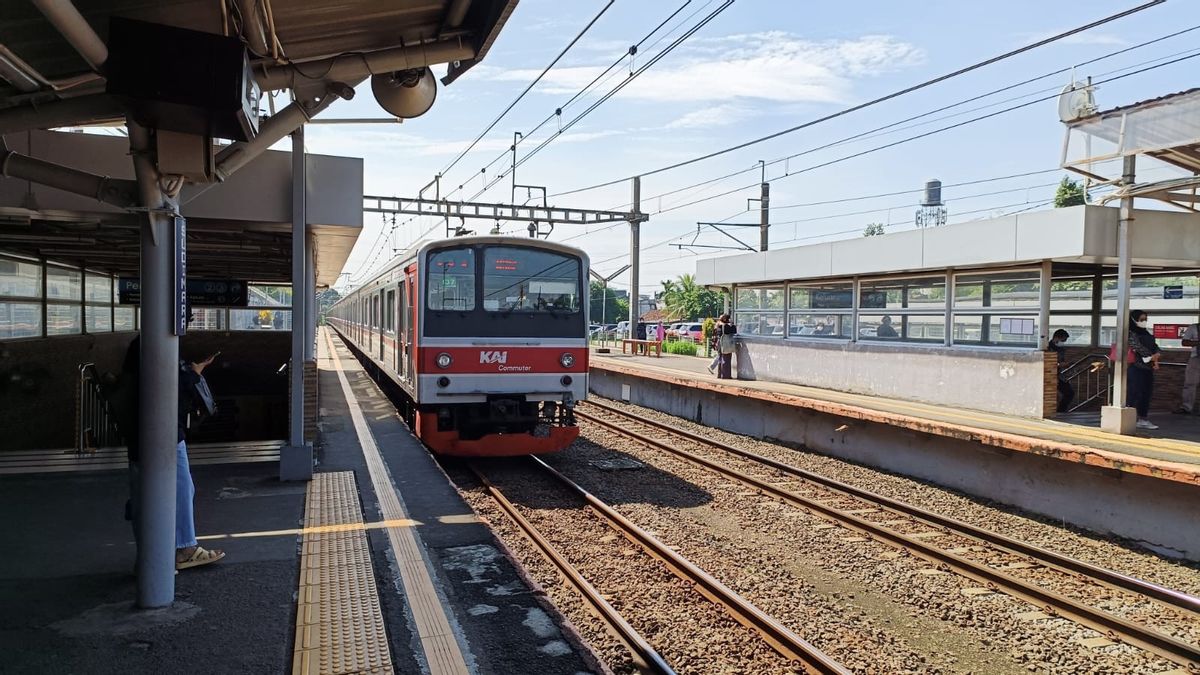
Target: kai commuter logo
{"x": 493, "y": 357}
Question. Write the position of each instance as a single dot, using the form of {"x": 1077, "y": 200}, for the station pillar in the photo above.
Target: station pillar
{"x": 1117, "y": 418}
{"x": 159, "y": 375}
{"x": 296, "y": 458}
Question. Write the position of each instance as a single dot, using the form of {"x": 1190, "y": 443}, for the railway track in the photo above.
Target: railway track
{"x": 645, "y": 658}
{"x": 892, "y": 522}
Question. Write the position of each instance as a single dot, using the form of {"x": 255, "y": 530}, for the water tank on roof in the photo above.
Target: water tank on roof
{"x": 933, "y": 193}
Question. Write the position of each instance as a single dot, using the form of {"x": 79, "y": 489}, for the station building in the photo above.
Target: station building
{"x": 960, "y": 315}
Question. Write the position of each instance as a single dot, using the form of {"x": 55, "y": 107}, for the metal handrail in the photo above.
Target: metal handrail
{"x": 1091, "y": 383}
{"x": 95, "y": 425}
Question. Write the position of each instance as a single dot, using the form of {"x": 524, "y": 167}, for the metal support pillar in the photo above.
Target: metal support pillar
{"x": 1047, "y": 282}
{"x": 764, "y": 215}
{"x": 159, "y": 381}
{"x": 1117, "y": 418}
{"x": 635, "y": 265}
{"x": 296, "y": 460}
{"x": 310, "y": 301}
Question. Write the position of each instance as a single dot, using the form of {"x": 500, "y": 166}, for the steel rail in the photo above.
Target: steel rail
{"x": 780, "y": 637}
{"x": 645, "y": 658}
{"x": 1168, "y": 596}
{"x": 1112, "y": 626}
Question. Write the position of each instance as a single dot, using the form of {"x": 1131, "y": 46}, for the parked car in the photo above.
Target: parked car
{"x": 622, "y": 329}
{"x": 691, "y": 331}
{"x": 673, "y": 330}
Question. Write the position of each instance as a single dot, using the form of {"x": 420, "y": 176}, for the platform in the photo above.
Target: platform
{"x": 376, "y": 565}
{"x": 1076, "y": 439}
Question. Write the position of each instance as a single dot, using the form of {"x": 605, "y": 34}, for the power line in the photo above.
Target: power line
{"x": 667, "y": 50}
{"x": 896, "y": 126}
{"x": 531, "y": 85}
{"x": 881, "y": 99}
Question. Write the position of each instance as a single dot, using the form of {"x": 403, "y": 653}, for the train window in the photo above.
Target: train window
{"x": 529, "y": 280}
{"x": 451, "y": 279}
{"x": 389, "y": 312}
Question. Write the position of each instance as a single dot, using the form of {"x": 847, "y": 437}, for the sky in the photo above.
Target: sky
{"x": 758, "y": 67}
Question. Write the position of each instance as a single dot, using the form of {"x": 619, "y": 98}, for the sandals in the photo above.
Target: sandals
{"x": 200, "y": 556}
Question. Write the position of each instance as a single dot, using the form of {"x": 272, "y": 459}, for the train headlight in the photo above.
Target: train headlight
{"x": 443, "y": 360}
{"x": 567, "y": 359}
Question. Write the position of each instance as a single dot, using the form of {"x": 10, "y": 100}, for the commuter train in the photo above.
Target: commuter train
{"x": 485, "y": 336}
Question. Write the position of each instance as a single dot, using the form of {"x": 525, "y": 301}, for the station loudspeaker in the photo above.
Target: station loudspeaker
{"x": 405, "y": 93}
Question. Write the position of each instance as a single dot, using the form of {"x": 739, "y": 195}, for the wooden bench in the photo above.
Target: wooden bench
{"x": 641, "y": 346}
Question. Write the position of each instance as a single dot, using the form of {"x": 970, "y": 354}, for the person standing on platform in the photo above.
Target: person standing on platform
{"x": 726, "y": 329}
{"x": 715, "y": 343}
{"x": 1066, "y": 392}
{"x": 195, "y": 403}
{"x": 1191, "y": 375}
{"x": 1140, "y": 385}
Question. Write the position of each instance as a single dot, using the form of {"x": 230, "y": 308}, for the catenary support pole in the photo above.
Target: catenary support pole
{"x": 1117, "y": 418}
{"x": 295, "y": 460}
{"x": 159, "y": 381}
{"x": 764, "y": 216}
{"x": 635, "y": 265}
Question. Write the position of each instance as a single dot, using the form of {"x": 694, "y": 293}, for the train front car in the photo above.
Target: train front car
{"x": 503, "y": 354}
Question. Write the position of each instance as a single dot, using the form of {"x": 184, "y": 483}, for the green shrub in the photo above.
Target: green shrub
{"x": 680, "y": 347}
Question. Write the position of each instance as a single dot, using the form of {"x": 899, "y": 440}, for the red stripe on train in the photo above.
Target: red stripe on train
{"x": 504, "y": 359}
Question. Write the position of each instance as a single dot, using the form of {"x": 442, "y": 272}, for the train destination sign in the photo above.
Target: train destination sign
{"x": 200, "y": 292}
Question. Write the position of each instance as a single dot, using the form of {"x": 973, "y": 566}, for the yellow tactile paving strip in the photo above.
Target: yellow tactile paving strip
{"x": 441, "y": 648}
{"x": 339, "y": 626}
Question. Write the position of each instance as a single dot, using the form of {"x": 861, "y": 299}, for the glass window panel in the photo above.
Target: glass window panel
{"x": 820, "y": 325}
{"x": 1174, "y": 319}
{"x": 450, "y": 278}
{"x": 967, "y": 329}
{"x": 213, "y": 318}
{"x": 62, "y": 319}
{"x": 925, "y": 328}
{"x": 878, "y": 327}
{"x": 260, "y": 319}
{"x": 822, "y": 296}
{"x": 902, "y": 328}
{"x": 765, "y": 324}
{"x": 63, "y": 284}
{"x": 881, "y": 295}
{"x": 20, "y": 279}
{"x": 524, "y": 280}
{"x": 99, "y": 318}
{"x": 1071, "y": 295}
{"x": 269, "y": 296}
{"x": 1172, "y": 293}
{"x": 123, "y": 318}
{"x": 1078, "y": 327}
{"x": 773, "y": 298}
{"x": 1013, "y": 289}
{"x": 761, "y": 298}
{"x": 748, "y": 298}
{"x": 20, "y": 319}
{"x": 926, "y": 293}
{"x": 98, "y": 288}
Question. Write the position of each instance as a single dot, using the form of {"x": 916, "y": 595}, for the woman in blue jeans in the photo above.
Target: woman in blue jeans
{"x": 1140, "y": 386}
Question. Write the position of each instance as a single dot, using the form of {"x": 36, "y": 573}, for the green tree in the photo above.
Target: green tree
{"x": 873, "y": 230}
{"x": 685, "y": 300}
{"x": 1069, "y": 193}
{"x": 605, "y": 305}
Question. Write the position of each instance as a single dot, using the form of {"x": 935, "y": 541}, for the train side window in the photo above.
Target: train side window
{"x": 389, "y": 312}
{"x": 450, "y": 277}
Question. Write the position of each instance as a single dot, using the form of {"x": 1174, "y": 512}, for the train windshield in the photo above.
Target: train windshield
{"x": 529, "y": 280}
{"x": 452, "y": 279}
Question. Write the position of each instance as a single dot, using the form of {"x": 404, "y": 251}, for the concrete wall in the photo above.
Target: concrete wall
{"x": 1002, "y": 381}
{"x": 38, "y": 379}
{"x": 1158, "y": 513}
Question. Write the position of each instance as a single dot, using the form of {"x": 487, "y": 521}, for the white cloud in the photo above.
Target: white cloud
{"x": 772, "y": 66}
{"x": 715, "y": 116}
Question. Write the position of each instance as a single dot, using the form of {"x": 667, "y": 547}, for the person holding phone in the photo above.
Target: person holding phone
{"x": 195, "y": 404}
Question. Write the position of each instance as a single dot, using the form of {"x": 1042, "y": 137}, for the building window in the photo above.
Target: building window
{"x": 908, "y": 310}
{"x": 20, "y": 298}
{"x": 64, "y": 291}
{"x": 998, "y": 309}
{"x": 760, "y": 311}
{"x": 98, "y": 297}
{"x": 821, "y": 310}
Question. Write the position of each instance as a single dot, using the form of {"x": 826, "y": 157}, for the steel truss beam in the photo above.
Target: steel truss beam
{"x": 506, "y": 212}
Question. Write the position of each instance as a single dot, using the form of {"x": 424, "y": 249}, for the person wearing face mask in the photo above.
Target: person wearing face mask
{"x": 1066, "y": 392}
{"x": 1141, "y": 371}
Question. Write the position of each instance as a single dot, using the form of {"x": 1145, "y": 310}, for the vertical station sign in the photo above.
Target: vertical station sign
{"x": 179, "y": 286}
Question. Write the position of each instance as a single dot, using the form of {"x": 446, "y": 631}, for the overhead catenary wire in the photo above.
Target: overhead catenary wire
{"x": 875, "y": 101}
{"x": 897, "y": 126}
{"x": 531, "y": 85}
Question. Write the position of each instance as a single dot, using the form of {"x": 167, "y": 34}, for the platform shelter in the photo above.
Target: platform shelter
{"x": 960, "y": 315}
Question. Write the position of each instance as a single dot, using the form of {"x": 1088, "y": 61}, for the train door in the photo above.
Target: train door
{"x": 410, "y": 321}
{"x": 389, "y": 347}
